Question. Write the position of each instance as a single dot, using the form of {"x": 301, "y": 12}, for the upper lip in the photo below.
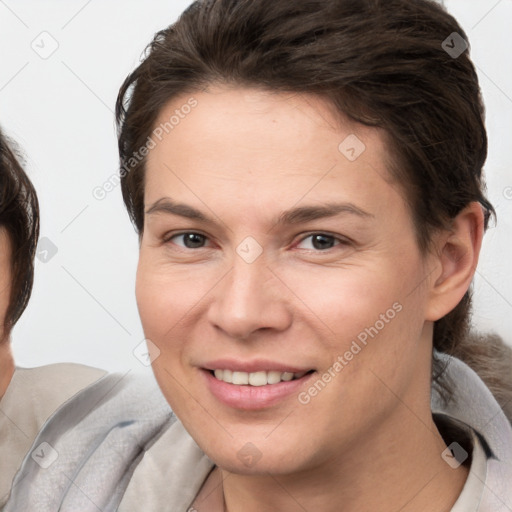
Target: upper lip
{"x": 256, "y": 365}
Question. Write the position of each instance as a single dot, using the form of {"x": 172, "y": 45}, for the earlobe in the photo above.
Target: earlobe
{"x": 457, "y": 257}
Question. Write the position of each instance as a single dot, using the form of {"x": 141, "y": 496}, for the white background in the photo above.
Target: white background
{"x": 60, "y": 111}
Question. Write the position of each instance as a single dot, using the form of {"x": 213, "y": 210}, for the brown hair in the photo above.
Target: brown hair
{"x": 19, "y": 215}
{"x": 379, "y": 62}
{"x": 491, "y": 358}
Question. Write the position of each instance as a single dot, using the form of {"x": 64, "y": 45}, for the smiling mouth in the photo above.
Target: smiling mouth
{"x": 261, "y": 378}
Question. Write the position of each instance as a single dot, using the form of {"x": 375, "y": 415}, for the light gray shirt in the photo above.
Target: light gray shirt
{"x": 32, "y": 396}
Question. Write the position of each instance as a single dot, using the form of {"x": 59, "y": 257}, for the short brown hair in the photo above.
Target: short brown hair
{"x": 19, "y": 215}
{"x": 379, "y": 62}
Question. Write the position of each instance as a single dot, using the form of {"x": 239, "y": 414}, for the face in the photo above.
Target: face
{"x": 5, "y": 279}
{"x": 276, "y": 247}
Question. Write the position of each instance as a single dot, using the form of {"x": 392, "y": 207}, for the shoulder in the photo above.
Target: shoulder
{"x": 472, "y": 404}
{"x": 45, "y": 388}
{"x": 110, "y": 400}
{"x": 33, "y": 395}
{"x": 491, "y": 358}
{"x": 100, "y": 434}
{"x": 63, "y": 378}
{"x": 170, "y": 474}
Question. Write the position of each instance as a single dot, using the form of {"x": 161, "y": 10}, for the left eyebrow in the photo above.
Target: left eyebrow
{"x": 305, "y": 214}
{"x": 297, "y": 215}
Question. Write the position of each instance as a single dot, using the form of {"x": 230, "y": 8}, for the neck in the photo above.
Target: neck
{"x": 6, "y": 366}
{"x": 399, "y": 469}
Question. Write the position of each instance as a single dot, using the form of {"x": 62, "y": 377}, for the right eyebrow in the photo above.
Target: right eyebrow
{"x": 166, "y": 205}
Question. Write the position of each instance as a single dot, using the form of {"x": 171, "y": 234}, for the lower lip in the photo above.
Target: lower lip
{"x": 253, "y": 397}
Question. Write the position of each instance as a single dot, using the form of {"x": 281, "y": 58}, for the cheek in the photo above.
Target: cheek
{"x": 371, "y": 317}
{"x": 165, "y": 296}
{"x": 150, "y": 300}
{"x": 5, "y": 288}
{"x": 169, "y": 300}
{"x": 160, "y": 312}
{"x": 163, "y": 302}
{"x": 348, "y": 300}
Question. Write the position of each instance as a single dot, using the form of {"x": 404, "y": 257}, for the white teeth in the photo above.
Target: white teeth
{"x": 240, "y": 378}
{"x": 273, "y": 377}
{"x": 260, "y": 378}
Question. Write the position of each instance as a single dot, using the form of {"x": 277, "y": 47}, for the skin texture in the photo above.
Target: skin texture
{"x": 6, "y": 359}
{"x": 367, "y": 440}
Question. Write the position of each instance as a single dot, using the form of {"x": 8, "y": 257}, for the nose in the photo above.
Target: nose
{"x": 249, "y": 299}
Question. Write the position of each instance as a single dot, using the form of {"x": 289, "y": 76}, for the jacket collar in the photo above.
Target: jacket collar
{"x": 474, "y": 405}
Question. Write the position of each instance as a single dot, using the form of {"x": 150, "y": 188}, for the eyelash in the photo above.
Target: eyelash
{"x": 340, "y": 240}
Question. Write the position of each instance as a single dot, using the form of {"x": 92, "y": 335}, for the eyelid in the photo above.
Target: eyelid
{"x": 340, "y": 239}
{"x": 172, "y": 234}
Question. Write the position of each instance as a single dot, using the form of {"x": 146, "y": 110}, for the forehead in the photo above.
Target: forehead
{"x": 269, "y": 147}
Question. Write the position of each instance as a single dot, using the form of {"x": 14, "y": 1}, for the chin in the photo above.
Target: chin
{"x": 264, "y": 466}
{"x": 255, "y": 455}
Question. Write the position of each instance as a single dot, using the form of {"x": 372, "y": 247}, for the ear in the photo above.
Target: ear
{"x": 456, "y": 258}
